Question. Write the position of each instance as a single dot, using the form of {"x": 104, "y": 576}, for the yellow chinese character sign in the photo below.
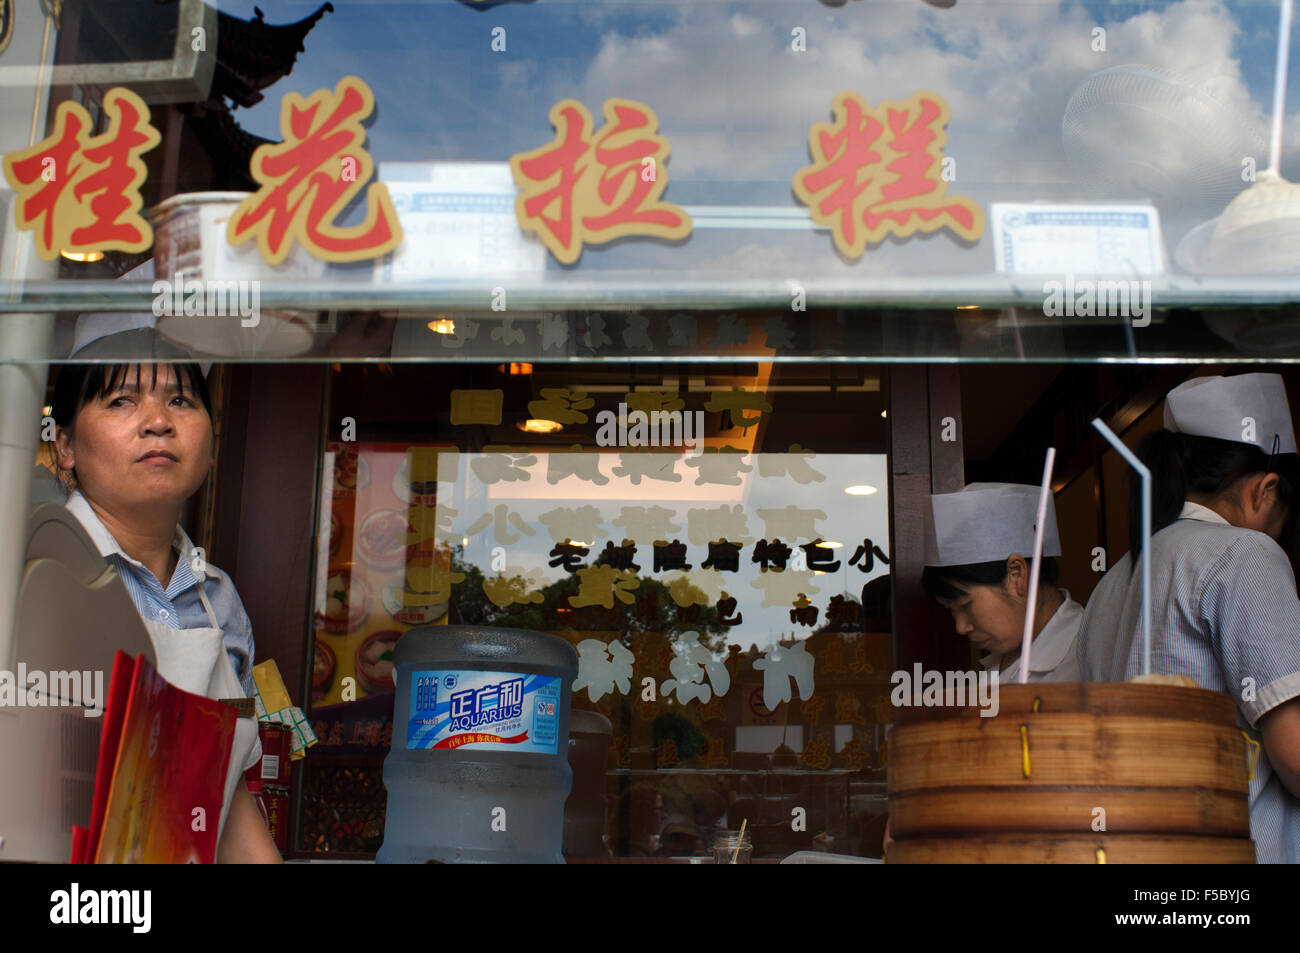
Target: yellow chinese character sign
{"x": 81, "y": 193}
{"x": 308, "y": 179}
{"x": 877, "y": 172}
{"x": 594, "y": 188}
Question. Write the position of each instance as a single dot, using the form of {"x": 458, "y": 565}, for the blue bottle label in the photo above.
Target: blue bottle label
{"x": 500, "y": 711}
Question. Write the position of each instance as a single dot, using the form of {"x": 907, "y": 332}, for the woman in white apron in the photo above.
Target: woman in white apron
{"x": 139, "y": 437}
{"x": 978, "y": 548}
{"x": 1225, "y": 490}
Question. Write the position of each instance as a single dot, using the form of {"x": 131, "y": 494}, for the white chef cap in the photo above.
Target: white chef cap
{"x": 125, "y": 336}
{"x": 986, "y": 522}
{"x": 1246, "y": 408}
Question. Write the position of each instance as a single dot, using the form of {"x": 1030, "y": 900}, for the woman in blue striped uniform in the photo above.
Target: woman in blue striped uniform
{"x": 134, "y": 441}
{"x": 1224, "y": 609}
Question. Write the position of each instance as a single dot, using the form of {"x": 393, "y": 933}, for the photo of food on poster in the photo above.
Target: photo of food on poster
{"x": 377, "y": 581}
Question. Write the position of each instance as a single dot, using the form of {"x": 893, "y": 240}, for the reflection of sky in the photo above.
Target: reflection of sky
{"x": 847, "y": 520}
{"x": 736, "y": 102}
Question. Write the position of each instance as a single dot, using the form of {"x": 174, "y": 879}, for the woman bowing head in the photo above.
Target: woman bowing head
{"x": 979, "y": 547}
{"x": 1224, "y": 610}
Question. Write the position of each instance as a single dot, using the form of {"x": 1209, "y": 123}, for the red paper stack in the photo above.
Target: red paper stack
{"x": 162, "y": 766}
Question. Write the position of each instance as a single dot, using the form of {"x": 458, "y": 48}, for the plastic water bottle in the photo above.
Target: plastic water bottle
{"x": 478, "y": 771}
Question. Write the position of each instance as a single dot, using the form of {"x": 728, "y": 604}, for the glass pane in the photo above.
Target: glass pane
{"x": 679, "y": 336}
{"x": 714, "y": 544}
{"x": 1129, "y": 142}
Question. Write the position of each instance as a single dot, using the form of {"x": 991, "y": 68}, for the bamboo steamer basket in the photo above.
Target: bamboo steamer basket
{"x": 1166, "y": 765}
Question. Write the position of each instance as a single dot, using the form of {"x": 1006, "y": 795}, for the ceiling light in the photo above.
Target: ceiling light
{"x": 860, "y": 489}
{"x": 540, "y": 425}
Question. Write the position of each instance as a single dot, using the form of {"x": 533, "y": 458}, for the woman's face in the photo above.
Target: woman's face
{"x": 990, "y": 616}
{"x": 141, "y": 445}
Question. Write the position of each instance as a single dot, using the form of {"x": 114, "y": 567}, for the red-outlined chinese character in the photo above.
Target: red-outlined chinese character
{"x": 875, "y": 172}
{"x": 309, "y": 178}
{"x": 92, "y": 204}
{"x": 593, "y": 188}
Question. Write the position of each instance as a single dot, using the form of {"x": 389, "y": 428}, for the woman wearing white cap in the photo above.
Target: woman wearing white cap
{"x": 134, "y": 439}
{"x": 1224, "y": 608}
{"x": 978, "y": 552}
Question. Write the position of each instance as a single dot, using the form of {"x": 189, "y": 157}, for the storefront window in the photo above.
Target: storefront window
{"x": 713, "y": 543}
{"x": 638, "y": 324}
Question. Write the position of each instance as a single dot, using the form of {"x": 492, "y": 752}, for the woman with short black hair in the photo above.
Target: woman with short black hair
{"x": 979, "y": 549}
{"x": 134, "y": 442}
{"x": 1224, "y": 608}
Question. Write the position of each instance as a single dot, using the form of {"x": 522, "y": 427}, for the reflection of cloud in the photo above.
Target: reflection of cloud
{"x": 743, "y": 26}
{"x": 1291, "y": 145}
{"x": 722, "y": 88}
{"x": 736, "y": 101}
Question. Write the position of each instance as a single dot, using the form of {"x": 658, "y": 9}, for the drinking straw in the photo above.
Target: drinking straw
{"x": 1044, "y": 493}
{"x": 1279, "y": 86}
{"x": 740, "y": 839}
{"x": 1131, "y": 458}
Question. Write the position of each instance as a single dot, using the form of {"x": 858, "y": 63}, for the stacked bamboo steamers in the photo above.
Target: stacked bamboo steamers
{"x": 1149, "y": 771}
{"x": 1070, "y": 772}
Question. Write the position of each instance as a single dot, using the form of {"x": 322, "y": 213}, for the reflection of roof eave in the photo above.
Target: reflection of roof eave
{"x": 253, "y": 54}
{"x": 230, "y": 146}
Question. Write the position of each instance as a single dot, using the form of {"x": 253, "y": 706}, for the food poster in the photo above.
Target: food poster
{"x": 381, "y": 573}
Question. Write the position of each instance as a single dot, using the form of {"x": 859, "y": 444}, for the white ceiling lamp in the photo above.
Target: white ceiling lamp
{"x": 860, "y": 489}
{"x": 1259, "y": 232}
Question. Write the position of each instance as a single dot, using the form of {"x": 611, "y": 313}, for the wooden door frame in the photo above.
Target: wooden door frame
{"x": 921, "y": 462}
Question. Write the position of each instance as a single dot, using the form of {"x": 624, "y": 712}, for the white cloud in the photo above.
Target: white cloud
{"x": 742, "y": 25}
{"x": 736, "y": 103}
{"x": 725, "y": 85}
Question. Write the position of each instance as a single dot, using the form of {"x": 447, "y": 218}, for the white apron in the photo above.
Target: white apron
{"x": 195, "y": 660}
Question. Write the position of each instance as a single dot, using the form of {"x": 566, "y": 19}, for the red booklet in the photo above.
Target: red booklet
{"x": 163, "y": 756}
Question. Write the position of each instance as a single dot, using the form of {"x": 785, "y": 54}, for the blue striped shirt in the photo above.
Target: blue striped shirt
{"x": 1224, "y": 610}
{"x": 178, "y": 605}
